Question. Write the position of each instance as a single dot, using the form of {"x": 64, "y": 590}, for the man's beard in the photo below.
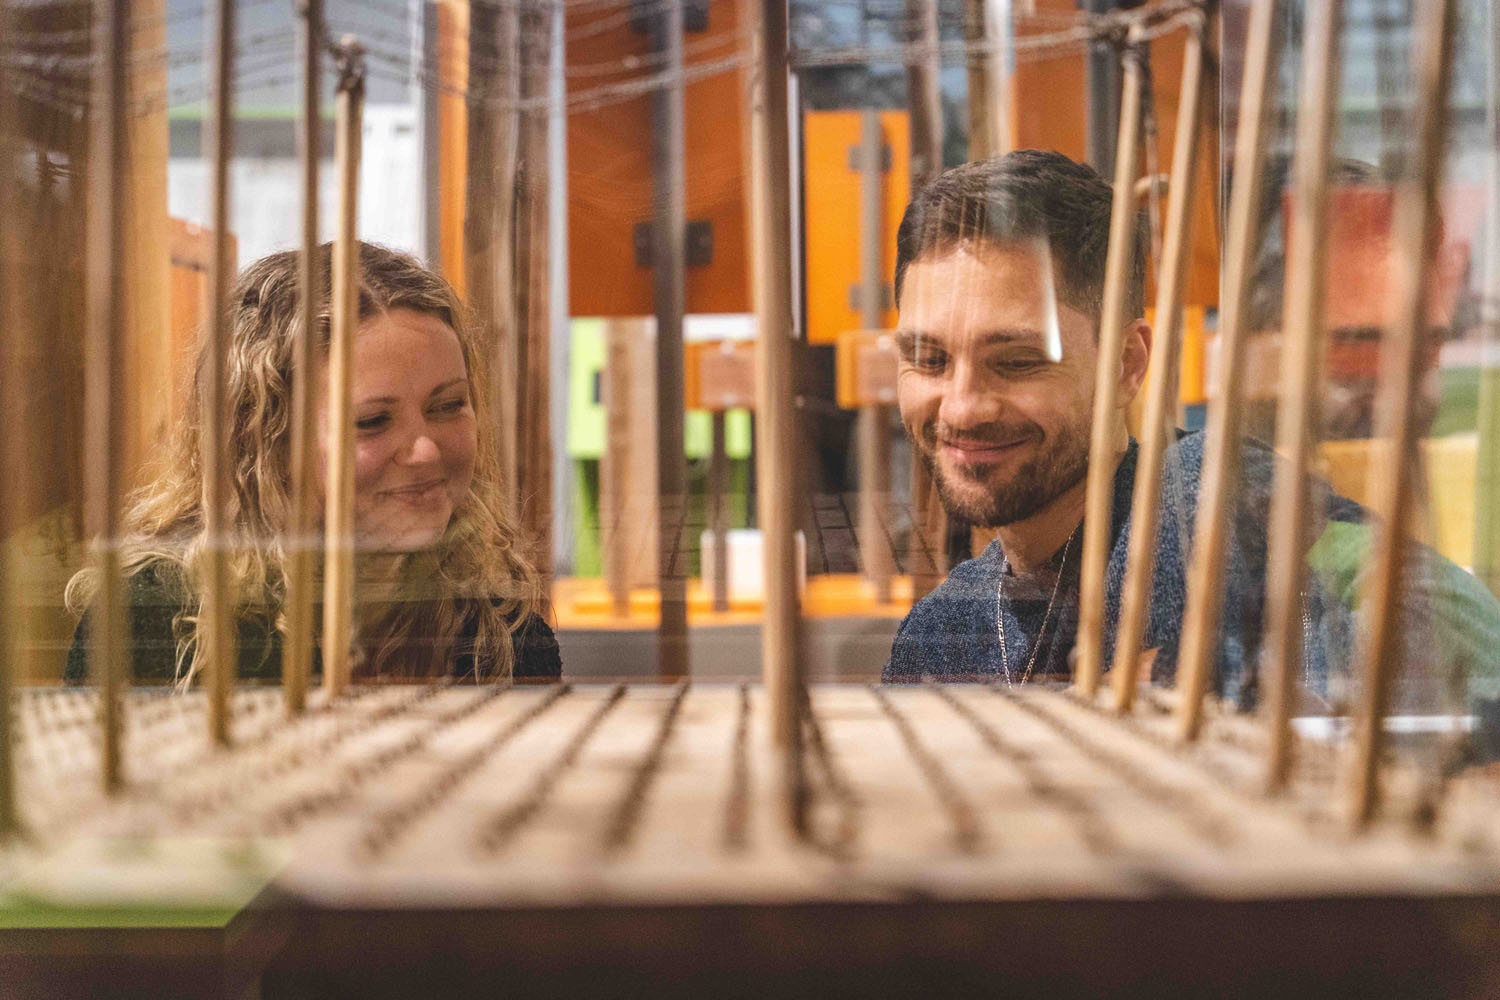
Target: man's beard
{"x": 1060, "y": 464}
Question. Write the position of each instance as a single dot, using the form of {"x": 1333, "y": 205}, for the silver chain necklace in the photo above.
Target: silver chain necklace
{"x": 1000, "y": 603}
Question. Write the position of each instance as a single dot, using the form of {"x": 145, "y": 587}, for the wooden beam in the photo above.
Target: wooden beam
{"x": 1297, "y": 419}
{"x": 776, "y": 472}
{"x": 1199, "y": 649}
{"x": 614, "y": 485}
{"x": 1383, "y": 646}
{"x": 1000, "y": 56}
{"x": 12, "y": 481}
{"x": 874, "y": 425}
{"x": 217, "y": 618}
{"x": 104, "y": 416}
{"x": 1161, "y": 389}
{"x": 1487, "y": 475}
{"x": 298, "y": 654}
{"x": 338, "y": 516}
{"x": 925, "y": 106}
{"x": 669, "y": 255}
{"x": 718, "y": 482}
{"x": 1112, "y": 322}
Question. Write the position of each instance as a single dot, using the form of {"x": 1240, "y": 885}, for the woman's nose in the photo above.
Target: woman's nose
{"x": 423, "y": 449}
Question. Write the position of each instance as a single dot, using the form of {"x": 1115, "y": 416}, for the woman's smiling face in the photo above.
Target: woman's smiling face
{"x": 415, "y": 433}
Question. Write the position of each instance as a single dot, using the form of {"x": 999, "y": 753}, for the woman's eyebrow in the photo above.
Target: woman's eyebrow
{"x": 448, "y": 385}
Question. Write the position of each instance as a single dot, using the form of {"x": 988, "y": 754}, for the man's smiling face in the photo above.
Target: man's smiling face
{"x": 996, "y": 380}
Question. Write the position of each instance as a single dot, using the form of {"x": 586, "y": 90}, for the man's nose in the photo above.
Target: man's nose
{"x": 969, "y": 399}
{"x": 422, "y": 449}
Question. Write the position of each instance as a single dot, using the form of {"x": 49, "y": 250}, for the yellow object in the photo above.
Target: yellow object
{"x": 1449, "y": 465}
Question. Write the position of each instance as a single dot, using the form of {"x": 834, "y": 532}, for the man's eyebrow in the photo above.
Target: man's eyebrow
{"x": 907, "y": 339}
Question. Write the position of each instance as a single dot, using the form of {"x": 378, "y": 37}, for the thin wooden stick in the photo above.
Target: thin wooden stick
{"x": 1161, "y": 390}
{"x": 999, "y": 65}
{"x": 1383, "y": 644}
{"x": 104, "y": 403}
{"x": 776, "y": 474}
{"x": 615, "y": 472}
{"x": 873, "y": 427}
{"x": 1301, "y": 363}
{"x": 670, "y": 205}
{"x": 1221, "y": 459}
{"x": 10, "y": 447}
{"x": 929, "y": 520}
{"x": 1487, "y": 472}
{"x": 718, "y": 479}
{"x": 218, "y": 603}
{"x": 338, "y": 518}
{"x": 1112, "y": 320}
{"x": 298, "y": 654}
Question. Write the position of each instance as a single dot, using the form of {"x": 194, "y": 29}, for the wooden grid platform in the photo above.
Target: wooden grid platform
{"x": 574, "y": 810}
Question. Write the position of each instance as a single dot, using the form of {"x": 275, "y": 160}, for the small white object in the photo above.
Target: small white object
{"x": 747, "y": 580}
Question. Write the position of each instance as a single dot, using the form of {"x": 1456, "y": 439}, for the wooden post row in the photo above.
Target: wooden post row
{"x": 1200, "y": 628}
{"x": 1301, "y": 362}
{"x": 770, "y": 177}
{"x": 338, "y": 518}
{"x": 1161, "y": 389}
{"x": 1383, "y": 646}
{"x": 297, "y": 660}
{"x": 104, "y": 410}
{"x": 1100, "y": 483}
{"x": 218, "y": 608}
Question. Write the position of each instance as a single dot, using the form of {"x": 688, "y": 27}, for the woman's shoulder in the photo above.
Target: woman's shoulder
{"x": 156, "y": 596}
{"x": 538, "y": 655}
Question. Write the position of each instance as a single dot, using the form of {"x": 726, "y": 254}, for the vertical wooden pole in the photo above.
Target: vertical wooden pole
{"x": 218, "y": 602}
{"x": 1301, "y": 362}
{"x": 1221, "y": 460}
{"x": 615, "y": 468}
{"x": 668, "y": 260}
{"x": 104, "y": 408}
{"x": 1112, "y": 321}
{"x": 1161, "y": 389}
{"x": 10, "y": 443}
{"x": 1487, "y": 478}
{"x": 924, "y": 101}
{"x": 776, "y": 473}
{"x": 338, "y": 517}
{"x": 490, "y": 216}
{"x": 531, "y": 377}
{"x": 1000, "y": 57}
{"x": 874, "y": 427}
{"x": 718, "y": 476}
{"x": 297, "y": 659}
{"x": 980, "y": 142}
{"x": 1383, "y": 646}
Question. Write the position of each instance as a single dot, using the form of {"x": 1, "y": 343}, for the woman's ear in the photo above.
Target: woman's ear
{"x": 1135, "y": 355}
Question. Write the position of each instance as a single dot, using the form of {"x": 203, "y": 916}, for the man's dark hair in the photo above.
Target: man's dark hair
{"x": 1024, "y": 195}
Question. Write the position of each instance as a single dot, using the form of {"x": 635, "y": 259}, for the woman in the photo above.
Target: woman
{"x": 442, "y": 587}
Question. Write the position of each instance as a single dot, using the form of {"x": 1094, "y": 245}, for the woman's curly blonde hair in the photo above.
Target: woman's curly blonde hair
{"x": 476, "y": 575}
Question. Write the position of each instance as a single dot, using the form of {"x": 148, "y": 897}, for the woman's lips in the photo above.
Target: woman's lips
{"x": 416, "y": 492}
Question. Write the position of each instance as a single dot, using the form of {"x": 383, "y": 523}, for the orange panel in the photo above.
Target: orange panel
{"x": 610, "y": 166}
{"x": 832, "y": 216}
{"x": 453, "y": 132}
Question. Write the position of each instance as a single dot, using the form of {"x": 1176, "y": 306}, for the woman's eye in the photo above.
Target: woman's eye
{"x": 375, "y": 423}
{"x": 451, "y": 406}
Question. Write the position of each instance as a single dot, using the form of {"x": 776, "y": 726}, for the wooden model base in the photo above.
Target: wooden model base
{"x": 591, "y": 840}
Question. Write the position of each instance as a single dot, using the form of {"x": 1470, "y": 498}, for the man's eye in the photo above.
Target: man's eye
{"x": 927, "y": 359}
{"x": 1020, "y": 366}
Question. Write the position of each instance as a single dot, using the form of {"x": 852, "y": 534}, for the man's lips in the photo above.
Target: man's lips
{"x": 974, "y": 452}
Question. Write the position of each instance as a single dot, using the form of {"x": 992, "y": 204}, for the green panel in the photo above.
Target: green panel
{"x": 586, "y": 432}
{"x": 588, "y": 546}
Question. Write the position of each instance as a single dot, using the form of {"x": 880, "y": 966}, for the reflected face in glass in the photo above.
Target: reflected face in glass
{"x": 415, "y": 433}
{"x": 995, "y": 387}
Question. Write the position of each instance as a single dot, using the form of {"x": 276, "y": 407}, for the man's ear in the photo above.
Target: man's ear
{"x": 1135, "y": 355}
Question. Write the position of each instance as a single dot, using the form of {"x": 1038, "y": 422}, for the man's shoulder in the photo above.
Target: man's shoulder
{"x": 939, "y": 631}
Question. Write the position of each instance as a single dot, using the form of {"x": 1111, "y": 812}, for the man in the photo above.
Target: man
{"x": 999, "y": 283}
